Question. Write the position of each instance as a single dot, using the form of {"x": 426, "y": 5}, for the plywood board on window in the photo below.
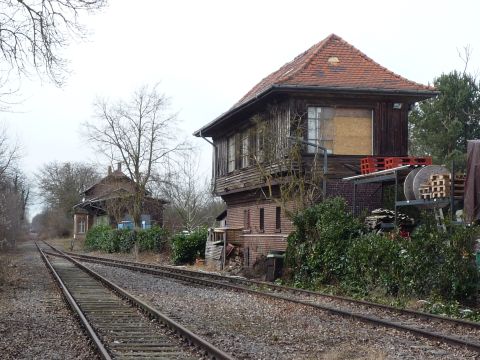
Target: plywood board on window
{"x": 353, "y": 132}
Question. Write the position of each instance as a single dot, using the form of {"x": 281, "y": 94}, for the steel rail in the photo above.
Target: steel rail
{"x": 74, "y": 306}
{"x": 183, "y": 332}
{"x": 472, "y": 324}
{"x": 346, "y": 313}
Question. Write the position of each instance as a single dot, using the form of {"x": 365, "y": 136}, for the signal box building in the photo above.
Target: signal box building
{"x": 341, "y": 100}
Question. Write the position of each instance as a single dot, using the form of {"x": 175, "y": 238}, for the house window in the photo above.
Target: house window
{"x": 244, "y": 149}
{"x": 320, "y": 129}
{"x": 342, "y": 131}
{"x": 81, "y": 226}
{"x": 260, "y": 144}
{"x": 246, "y": 219}
{"x": 278, "y": 219}
{"x": 262, "y": 220}
{"x": 231, "y": 153}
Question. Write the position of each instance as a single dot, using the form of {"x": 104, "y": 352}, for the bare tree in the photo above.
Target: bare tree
{"x": 60, "y": 184}
{"x": 9, "y": 152}
{"x": 33, "y": 33}
{"x": 188, "y": 194}
{"x": 140, "y": 133}
{"x": 292, "y": 180}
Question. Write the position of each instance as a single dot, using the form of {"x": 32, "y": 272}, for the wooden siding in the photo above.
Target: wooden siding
{"x": 389, "y": 138}
{"x": 390, "y": 128}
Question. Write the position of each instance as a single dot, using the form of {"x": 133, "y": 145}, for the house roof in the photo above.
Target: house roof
{"x": 332, "y": 64}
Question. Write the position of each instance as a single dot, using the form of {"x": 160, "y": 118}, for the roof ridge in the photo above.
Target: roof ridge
{"x": 320, "y": 45}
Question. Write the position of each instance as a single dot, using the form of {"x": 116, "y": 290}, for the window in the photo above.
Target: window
{"x": 244, "y": 149}
{"x": 81, "y": 226}
{"x": 342, "y": 131}
{"x": 262, "y": 220}
{"x": 260, "y": 143}
{"x": 320, "y": 129}
{"x": 278, "y": 219}
{"x": 246, "y": 219}
{"x": 231, "y": 153}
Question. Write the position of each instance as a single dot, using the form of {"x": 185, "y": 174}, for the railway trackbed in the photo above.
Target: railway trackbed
{"x": 438, "y": 328}
{"x": 118, "y": 323}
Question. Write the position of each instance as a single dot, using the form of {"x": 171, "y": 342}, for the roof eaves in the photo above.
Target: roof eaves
{"x": 233, "y": 111}
{"x": 424, "y": 94}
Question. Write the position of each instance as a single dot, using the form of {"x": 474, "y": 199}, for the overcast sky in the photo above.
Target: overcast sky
{"x": 208, "y": 54}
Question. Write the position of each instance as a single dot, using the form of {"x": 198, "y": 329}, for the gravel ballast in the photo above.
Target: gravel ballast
{"x": 35, "y": 322}
{"x": 252, "y": 327}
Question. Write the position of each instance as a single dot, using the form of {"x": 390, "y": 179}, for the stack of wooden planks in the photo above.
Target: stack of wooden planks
{"x": 440, "y": 185}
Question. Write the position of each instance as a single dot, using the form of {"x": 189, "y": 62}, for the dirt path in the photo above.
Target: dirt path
{"x": 35, "y": 322}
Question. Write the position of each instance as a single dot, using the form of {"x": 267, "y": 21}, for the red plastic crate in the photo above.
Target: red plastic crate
{"x": 371, "y": 164}
{"x": 393, "y": 162}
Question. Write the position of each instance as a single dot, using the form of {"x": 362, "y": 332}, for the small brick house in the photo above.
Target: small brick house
{"x": 108, "y": 202}
{"x": 344, "y": 101}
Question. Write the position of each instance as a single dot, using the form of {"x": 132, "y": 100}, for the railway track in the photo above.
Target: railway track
{"x": 439, "y": 328}
{"x": 116, "y": 321}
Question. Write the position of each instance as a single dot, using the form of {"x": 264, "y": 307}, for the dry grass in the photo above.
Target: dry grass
{"x": 352, "y": 352}
{"x": 64, "y": 244}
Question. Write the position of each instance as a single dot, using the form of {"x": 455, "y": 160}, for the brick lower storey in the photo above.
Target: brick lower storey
{"x": 245, "y": 214}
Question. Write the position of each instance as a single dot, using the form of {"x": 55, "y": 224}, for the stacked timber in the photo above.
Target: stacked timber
{"x": 382, "y": 218}
{"x": 440, "y": 186}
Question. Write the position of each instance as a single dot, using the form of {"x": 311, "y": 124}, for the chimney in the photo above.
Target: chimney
{"x": 109, "y": 170}
{"x": 119, "y": 166}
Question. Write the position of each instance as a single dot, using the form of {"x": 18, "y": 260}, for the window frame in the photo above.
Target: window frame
{"x": 278, "y": 219}
{"x": 231, "y": 156}
{"x": 261, "y": 220}
{"x": 311, "y": 150}
{"x": 245, "y": 149}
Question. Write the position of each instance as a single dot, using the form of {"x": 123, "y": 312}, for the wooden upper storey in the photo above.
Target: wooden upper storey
{"x": 332, "y": 95}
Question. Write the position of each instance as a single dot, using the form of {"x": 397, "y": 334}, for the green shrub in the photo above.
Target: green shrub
{"x": 104, "y": 238}
{"x": 374, "y": 262}
{"x": 317, "y": 248}
{"x": 97, "y": 237}
{"x": 153, "y": 239}
{"x": 187, "y": 247}
{"x": 328, "y": 248}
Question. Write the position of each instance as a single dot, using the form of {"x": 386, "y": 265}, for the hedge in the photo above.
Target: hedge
{"x": 104, "y": 238}
{"x": 187, "y": 247}
{"x": 330, "y": 247}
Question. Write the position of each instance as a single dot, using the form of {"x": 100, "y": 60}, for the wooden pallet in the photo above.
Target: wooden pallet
{"x": 440, "y": 186}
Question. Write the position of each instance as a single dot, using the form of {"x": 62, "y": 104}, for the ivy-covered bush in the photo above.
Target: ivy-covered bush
{"x": 187, "y": 247}
{"x": 104, "y": 238}
{"x": 328, "y": 247}
{"x": 317, "y": 248}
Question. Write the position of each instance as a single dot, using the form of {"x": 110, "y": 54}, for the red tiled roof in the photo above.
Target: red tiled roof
{"x": 334, "y": 63}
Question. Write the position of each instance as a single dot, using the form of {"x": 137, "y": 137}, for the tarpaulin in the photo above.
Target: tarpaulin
{"x": 472, "y": 182}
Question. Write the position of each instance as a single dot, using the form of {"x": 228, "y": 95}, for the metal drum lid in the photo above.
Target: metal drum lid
{"x": 408, "y": 184}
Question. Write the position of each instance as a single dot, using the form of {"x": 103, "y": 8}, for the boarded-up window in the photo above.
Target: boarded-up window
{"x": 231, "y": 153}
{"x": 342, "y": 131}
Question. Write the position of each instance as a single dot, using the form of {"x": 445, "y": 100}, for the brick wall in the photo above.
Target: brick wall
{"x": 368, "y": 196}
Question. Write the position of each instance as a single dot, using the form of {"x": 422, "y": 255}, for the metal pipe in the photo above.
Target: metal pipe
{"x": 214, "y": 163}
